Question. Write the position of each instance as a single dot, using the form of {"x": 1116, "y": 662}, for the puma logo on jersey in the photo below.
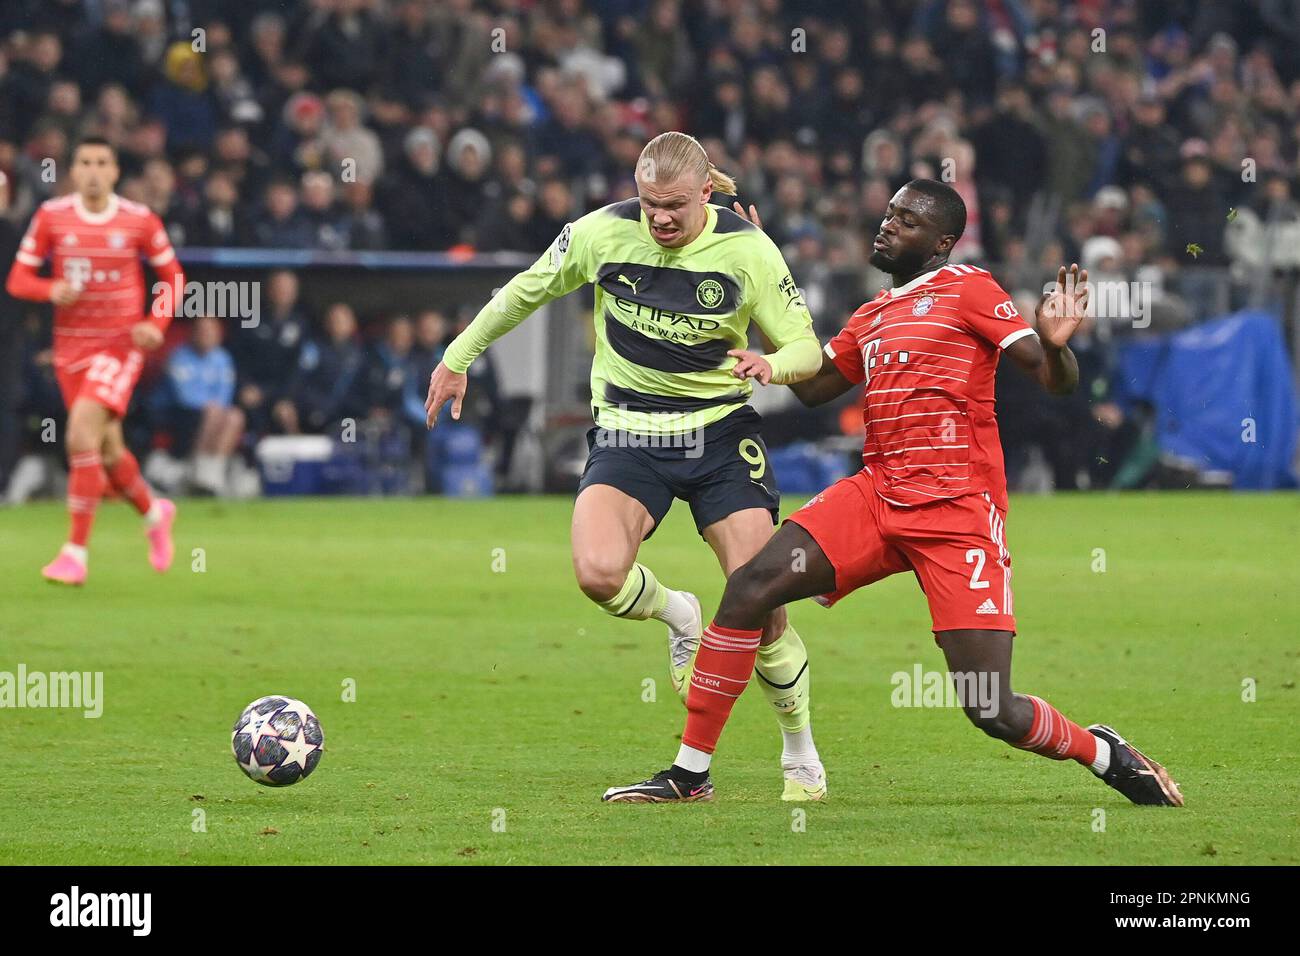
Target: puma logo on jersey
{"x": 628, "y": 282}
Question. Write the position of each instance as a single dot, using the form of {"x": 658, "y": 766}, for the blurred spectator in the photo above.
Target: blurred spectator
{"x": 413, "y": 65}
{"x": 327, "y": 385}
{"x": 266, "y": 354}
{"x": 297, "y": 142}
{"x": 149, "y": 27}
{"x": 110, "y": 52}
{"x": 282, "y": 223}
{"x": 411, "y": 200}
{"x": 468, "y": 157}
{"x": 349, "y": 146}
{"x": 508, "y": 224}
{"x": 566, "y": 136}
{"x": 30, "y": 78}
{"x": 265, "y": 52}
{"x": 431, "y": 341}
{"x": 554, "y": 210}
{"x": 320, "y": 213}
{"x": 1149, "y": 152}
{"x": 392, "y": 390}
{"x": 199, "y": 406}
{"x": 234, "y": 95}
{"x": 346, "y": 48}
{"x": 182, "y": 101}
{"x": 219, "y": 220}
{"x": 1010, "y": 147}
{"x": 1197, "y": 211}
{"x": 955, "y": 28}
{"x": 362, "y": 225}
{"x": 248, "y": 166}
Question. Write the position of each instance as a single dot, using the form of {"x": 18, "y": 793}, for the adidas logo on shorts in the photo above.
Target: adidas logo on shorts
{"x": 988, "y": 607}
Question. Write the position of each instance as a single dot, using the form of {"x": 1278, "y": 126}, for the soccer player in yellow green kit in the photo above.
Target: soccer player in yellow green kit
{"x": 678, "y": 281}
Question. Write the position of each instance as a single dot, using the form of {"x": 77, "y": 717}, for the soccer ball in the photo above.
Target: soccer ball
{"x": 277, "y": 741}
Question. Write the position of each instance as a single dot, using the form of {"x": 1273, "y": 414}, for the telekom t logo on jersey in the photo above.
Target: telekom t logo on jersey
{"x": 77, "y": 271}
{"x": 872, "y": 356}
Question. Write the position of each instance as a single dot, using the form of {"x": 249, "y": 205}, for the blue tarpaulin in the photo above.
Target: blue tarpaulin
{"x": 1223, "y": 395}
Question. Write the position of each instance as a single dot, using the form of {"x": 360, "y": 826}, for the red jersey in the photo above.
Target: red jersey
{"x": 98, "y": 253}
{"x": 928, "y": 352}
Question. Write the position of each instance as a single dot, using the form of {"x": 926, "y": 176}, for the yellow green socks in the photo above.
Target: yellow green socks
{"x": 641, "y": 597}
{"x": 782, "y": 673}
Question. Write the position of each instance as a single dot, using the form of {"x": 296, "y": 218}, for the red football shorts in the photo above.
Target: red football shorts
{"x": 957, "y": 549}
{"x": 107, "y": 376}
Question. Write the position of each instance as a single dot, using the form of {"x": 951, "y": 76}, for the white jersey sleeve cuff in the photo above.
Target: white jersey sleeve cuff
{"x": 1015, "y": 336}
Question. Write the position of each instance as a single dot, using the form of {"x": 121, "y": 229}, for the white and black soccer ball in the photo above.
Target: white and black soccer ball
{"x": 277, "y": 741}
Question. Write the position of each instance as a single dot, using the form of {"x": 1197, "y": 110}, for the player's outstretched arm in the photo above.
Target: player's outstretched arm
{"x": 24, "y": 283}
{"x": 150, "y": 334}
{"x": 565, "y": 266}
{"x": 1047, "y": 356}
{"x": 827, "y": 385}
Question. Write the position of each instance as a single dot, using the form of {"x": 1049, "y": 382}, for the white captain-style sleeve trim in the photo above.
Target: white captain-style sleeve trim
{"x": 27, "y": 259}
{"x": 163, "y": 257}
{"x": 1015, "y": 336}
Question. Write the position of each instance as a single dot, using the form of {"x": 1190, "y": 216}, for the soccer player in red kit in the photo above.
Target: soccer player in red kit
{"x": 94, "y": 240}
{"x": 931, "y": 498}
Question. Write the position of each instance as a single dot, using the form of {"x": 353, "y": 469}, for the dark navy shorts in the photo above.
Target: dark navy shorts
{"x": 718, "y": 471}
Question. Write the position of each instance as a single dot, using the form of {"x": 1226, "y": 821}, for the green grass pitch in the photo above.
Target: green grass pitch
{"x": 494, "y": 705}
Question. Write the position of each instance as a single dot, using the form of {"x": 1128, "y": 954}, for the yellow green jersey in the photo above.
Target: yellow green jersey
{"x": 665, "y": 318}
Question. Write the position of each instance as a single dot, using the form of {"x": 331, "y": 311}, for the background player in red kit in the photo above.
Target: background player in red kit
{"x": 94, "y": 240}
{"x": 931, "y": 498}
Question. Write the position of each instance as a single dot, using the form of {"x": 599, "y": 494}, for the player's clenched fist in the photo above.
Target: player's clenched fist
{"x": 146, "y": 336}
{"x": 63, "y": 293}
{"x": 444, "y": 384}
{"x": 751, "y": 365}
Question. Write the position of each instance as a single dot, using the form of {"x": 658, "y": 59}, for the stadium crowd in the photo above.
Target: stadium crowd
{"x": 1123, "y": 135}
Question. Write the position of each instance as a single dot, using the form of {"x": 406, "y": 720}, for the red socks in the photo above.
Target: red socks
{"x": 87, "y": 479}
{"x": 723, "y": 666}
{"x": 1057, "y": 737}
{"x": 125, "y": 477}
{"x": 85, "y": 485}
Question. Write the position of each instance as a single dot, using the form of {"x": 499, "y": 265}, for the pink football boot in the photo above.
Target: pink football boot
{"x": 159, "y": 533}
{"x": 65, "y": 569}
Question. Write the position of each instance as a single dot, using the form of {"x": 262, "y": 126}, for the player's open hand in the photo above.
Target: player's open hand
{"x": 64, "y": 293}
{"x": 752, "y": 215}
{"x": 1062, "y": 309}
{"x": 751, "y": 365}
{"x": 444, "y": 384}
{"x": 146, "y": 336}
